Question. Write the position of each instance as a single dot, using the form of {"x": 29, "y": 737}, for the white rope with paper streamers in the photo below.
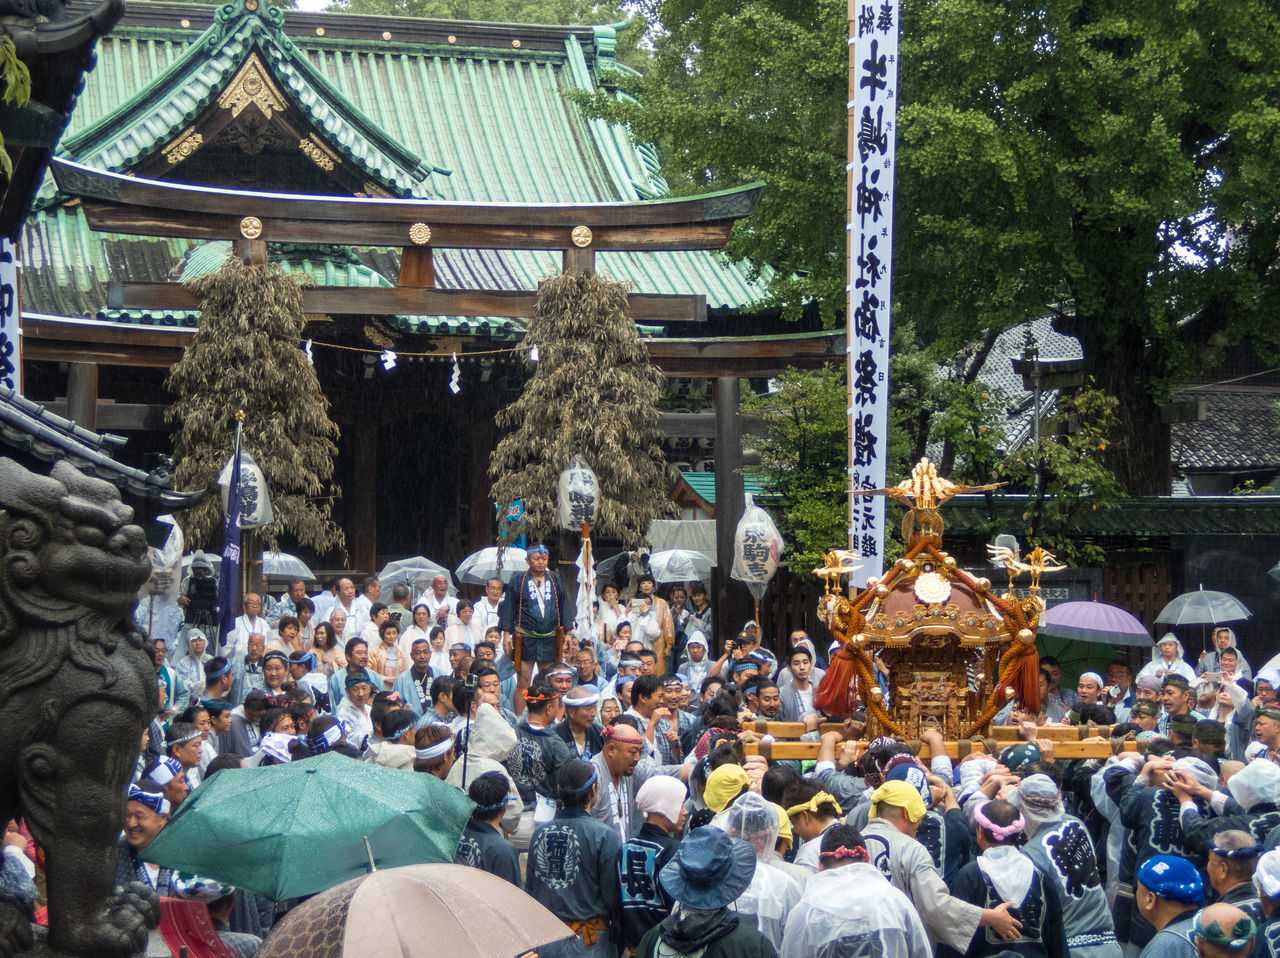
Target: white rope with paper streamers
{"x": 455, "y": 380}
{"x": 388, "y": 359}
{"x": 306, "y": 348}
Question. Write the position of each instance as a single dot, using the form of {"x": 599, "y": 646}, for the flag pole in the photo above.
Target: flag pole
{"x": 229, "y": 571}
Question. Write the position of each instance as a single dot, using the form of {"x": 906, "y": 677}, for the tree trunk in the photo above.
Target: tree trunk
{"x": 1123, "y": 365}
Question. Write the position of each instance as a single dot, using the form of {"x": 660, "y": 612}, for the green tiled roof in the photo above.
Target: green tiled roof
{"x": 494, "y": 114}
{"x": 158, "y": 112}
{"x": 704, "y": 484}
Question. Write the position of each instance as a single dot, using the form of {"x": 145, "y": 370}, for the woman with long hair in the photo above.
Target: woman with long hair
{"x": 324, "y": 644}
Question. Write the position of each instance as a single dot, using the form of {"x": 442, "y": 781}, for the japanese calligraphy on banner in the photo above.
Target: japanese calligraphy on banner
{"x": 873, "y": 107}
{"x": 10, "y": 342}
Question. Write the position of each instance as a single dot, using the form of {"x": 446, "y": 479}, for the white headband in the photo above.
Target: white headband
{"x": 572, "y": 703}
{"x": 435, "y": 751}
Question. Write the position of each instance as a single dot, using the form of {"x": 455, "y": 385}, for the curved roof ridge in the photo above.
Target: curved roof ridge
{"x": 150, "y": 120}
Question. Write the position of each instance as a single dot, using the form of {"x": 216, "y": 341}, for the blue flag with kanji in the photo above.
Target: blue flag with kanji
{"x": 229, "y": 573}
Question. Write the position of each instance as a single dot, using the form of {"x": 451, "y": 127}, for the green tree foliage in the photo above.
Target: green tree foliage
{"x": 1118, "y": 163}
{"x": 803, "y": 455}
{"x": 1076, "y": 475}
{"x": 739, "y": 91}
{"x": 593, "y": 392}
{"x": 246, "y": 355}
{"x": 15, "y": 80}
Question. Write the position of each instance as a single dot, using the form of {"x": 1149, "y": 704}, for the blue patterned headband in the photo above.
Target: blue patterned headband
{"x": 153, "y": 800}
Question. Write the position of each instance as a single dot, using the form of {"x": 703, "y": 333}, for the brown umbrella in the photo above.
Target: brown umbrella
{"x": 447, "y": 909}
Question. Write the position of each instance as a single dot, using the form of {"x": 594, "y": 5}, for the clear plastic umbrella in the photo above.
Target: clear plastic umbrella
{"x": 680, "y": 565}
{"x": 1203, "y": 607}
{"x": 281, "y": 565}
{"x": 415, "y": 572}
{"x": 479, "y": 567}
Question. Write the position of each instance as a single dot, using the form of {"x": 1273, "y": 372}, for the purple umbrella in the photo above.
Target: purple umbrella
{"x": 1095, "y": 622}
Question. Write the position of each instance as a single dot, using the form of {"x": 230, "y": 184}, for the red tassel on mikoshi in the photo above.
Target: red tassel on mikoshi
{"x": 836, "y": 693}
{"x": 1025, "y": 681}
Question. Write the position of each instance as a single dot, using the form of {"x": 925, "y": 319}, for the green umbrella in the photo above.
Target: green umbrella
{"x": 1075, "y": 656}
{"x": 284, "y": 831}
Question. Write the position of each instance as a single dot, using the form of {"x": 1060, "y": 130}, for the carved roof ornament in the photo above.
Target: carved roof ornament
{"x": 183, "y": 145}
{"x": 252, "y": 86}
{"x": 317, "y": 152}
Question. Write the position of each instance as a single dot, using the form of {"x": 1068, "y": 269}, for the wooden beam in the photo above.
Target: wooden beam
{"x": 110, "y": 217}
{"x": 120, "y": 344}
{"x": 183, "y": 199}
{"x": 1059, "y": 733}
{"x": 119, "y": 416}
{"x": 411, "y": 301}
{"x": 702, "y": 425}
{"x": 799, "y": 751}
{"x": 756, "y": 356}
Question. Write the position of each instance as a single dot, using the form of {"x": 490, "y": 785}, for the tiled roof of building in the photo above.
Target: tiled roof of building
{"x": 158, "y": 111}
{"x": 704, "y": 484}
{"x": 1241, "y": 431}
{"x": 1141, "y": 517}
{"x": 997, "y": 372}
{"x": 485, "y": 106}
{"x": 31, "y": 428}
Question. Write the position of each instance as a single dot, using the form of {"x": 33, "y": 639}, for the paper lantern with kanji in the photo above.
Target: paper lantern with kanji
{"x": 757, "y": 547}
{"x": 578, "y": 494}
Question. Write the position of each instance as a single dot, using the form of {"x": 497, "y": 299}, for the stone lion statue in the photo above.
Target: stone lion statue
{"x": 77, "y": 688}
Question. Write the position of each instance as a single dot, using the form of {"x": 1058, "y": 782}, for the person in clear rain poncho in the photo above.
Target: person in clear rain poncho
{"x": 772, "y": 892}
{"x": 849, "y": 909}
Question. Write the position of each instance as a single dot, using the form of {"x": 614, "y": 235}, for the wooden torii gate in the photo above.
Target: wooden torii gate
{"x": 130, "y": 205}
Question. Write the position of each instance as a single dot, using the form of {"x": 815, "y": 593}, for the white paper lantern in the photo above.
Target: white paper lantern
{"x": 255, "y": 503}
{"x": 578, "y": 494}
{"x": 757, "y": 547}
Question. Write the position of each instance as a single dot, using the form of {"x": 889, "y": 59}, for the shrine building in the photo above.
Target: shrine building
{"x": 424, "y": 175}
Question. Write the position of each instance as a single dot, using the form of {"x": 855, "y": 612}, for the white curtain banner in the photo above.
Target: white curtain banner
{"x": 10, "y": 340}
{"x": 873, "y": 120}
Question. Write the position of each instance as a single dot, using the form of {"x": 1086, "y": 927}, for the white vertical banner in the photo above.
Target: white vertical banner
{"x": 873, "y": 110}
{"x": 10, "y": 340}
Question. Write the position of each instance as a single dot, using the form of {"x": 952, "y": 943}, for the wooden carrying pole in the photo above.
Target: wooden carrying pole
{"x": 798, "y": 751}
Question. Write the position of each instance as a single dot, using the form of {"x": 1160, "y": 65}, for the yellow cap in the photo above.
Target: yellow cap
{"x": 900, "y": 795}
{"x": 723, "y": 786}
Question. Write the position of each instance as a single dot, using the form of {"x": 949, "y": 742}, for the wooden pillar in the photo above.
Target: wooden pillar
{"x": 252, "y": 251}
{"x": 82, "y": 394}
{"x": 482, "y": 433}
{"x": 363, "y": 494}
{"x": 417, "y": 268}
{"x": 732, "y": 600}
{"x": 578, "y": 260}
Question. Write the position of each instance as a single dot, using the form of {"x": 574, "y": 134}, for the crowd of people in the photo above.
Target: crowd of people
{"x": 614, "y": 780}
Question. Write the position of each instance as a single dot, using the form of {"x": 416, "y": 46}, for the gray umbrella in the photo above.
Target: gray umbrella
{"x": 1203, "y": 607}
